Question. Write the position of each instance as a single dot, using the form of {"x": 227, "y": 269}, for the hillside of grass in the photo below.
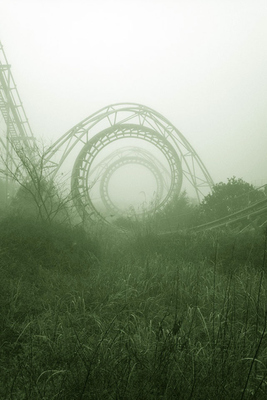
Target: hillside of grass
{"x": 131, "y": 315}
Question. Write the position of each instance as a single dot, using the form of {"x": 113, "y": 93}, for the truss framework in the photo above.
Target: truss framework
{"x": 141, "y": 158}
{"x": 119, "y": 121}
{"x": 104, "y": 185}
{"x": 17, "y": 132}
{"x": 82, "y": 184}
{"x": 97, "y": 132}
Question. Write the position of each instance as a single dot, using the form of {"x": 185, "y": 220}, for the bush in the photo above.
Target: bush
{"x": 28, "y": 242}
{"x": 227, "y": 198}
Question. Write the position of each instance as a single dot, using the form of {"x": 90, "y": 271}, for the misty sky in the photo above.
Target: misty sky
{"x": 200, "y": 63}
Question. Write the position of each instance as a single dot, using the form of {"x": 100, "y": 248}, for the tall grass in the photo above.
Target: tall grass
{"x": 131, "y": 316}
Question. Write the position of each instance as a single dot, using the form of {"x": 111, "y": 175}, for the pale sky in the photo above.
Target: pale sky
{"x": 200, "y": 63}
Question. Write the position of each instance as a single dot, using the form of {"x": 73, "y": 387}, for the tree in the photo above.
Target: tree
{"x": 5, "y": 195}
{"x": 38, "y": 194}
{"x": 180, "y": 213}
{"x": 227, "y": 198}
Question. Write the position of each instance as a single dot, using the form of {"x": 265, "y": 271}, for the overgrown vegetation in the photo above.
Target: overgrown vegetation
{"x": 131, "y": 317}
{"x": 184, "y": 213}
{"x": 228, "y": 198}
{"x": 38, "y": 195}
{"x": 113, "y": 314}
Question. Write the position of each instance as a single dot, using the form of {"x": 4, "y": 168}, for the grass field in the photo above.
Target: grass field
{"x": 114, "y": 315}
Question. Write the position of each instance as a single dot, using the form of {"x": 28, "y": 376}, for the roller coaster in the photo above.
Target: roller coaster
{"x": 103, "y": 145}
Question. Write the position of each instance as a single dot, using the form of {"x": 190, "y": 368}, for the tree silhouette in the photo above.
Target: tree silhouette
{"x": 227, "y": 198}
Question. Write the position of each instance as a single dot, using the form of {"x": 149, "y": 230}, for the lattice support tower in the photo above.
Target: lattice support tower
{"x": 15, "y": 131}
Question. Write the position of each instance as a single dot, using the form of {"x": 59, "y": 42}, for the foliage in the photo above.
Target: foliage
{"x": 5, "y": 196}
{"x": 180, "y": 213}
{"x": 183, "y": 316}
{"x": 38, "y": 194}
{"x": 227, "y": 198}
{"x": 2, "y": 191}
{"x": 45, "y": 244}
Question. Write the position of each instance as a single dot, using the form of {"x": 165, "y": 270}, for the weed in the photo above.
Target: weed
{"x": 131, "y": 316}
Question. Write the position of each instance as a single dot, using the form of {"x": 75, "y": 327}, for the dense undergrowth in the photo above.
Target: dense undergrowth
{"x": 111, "y": 315}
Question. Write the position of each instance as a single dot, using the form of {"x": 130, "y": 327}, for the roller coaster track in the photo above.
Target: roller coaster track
{"x": 254, "y": 210}
{"x": 18, "y": 131}
{"x": 18, "y": 134}
{"x": 249, "y": 213}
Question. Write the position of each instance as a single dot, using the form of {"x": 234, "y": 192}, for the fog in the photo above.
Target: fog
{"x": 201, "y": 64}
